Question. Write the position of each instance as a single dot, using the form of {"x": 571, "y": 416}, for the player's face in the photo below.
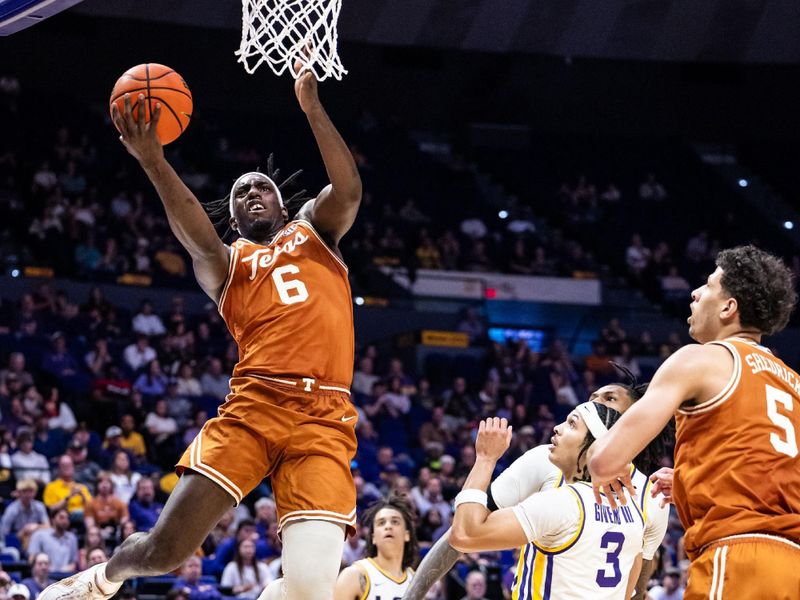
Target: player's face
{"x": 708, "y": 303}
{"x": 567, "y": 442}
{"x": 257, "y": 211}
{"x": 612, "y": 396}
{"x": 389, "y": 529}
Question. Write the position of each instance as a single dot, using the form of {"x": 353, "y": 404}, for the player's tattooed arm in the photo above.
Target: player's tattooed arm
{"x": 350, "y": 584}
{"x": 648, "y": 567}
{"x": 437, "y": 562}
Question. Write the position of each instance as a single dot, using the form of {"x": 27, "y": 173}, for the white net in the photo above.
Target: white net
{"x": 279, "y": 32}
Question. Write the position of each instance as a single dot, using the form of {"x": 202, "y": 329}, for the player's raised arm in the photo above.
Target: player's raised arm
{"x": 334, "y": 209}
{"x": 187, "y": 218}
{"x": 693, "y": 373}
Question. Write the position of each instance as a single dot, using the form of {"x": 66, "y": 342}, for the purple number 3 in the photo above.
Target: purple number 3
{"x": 612, "y": 558}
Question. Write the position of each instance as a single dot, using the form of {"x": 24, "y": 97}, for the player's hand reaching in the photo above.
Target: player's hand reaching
{"x": 305, "y": 86}
{"x": 139, "y": 137}
{"x": 614, "y": 489}
{"x": 662, "y": 483}
{"x": 494, "y": 437}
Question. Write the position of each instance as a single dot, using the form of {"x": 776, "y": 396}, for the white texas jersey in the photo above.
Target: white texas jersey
{"x": 533, "y": 472}
{"x": 578, "y": 549}
{"x": 380, "y": 584}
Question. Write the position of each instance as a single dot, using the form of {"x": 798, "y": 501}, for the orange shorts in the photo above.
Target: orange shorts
{"x": 298, "y": 432}
{"x": 747, "y": 567}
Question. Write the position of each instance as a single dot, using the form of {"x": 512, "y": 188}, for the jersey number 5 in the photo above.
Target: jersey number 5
{"x": 786, "y": 446}
{"x": 291, "y": 291}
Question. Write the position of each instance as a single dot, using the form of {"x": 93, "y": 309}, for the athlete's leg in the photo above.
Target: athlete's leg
{"x": 307, "y": 543}
{"x": 194, "y": 507}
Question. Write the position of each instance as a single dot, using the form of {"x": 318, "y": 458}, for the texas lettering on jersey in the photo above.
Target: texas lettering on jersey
{"x": 264, "y": 257}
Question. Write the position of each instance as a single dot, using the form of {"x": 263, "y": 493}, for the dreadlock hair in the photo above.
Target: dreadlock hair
{"x": 608, "y": 416}
{"x": 648, "y": 460}
{"x": 219, "y": 210}
{"x": 401, "y": 505}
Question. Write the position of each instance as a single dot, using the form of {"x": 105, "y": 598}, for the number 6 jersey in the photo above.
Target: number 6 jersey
{"x": 288, "y": 306}
{"x": 578, "y": 549}
{"x": 736, "y": 457}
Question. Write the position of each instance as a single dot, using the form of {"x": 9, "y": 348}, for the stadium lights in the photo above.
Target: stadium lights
{"x": 359, "y": 301}
{"x": 503, "y": 214}
{"x": 743, "y": 183}
{"x": 788, "y": 225}
{"x": 16, "y": 272}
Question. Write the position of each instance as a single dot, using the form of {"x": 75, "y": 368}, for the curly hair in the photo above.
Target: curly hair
{"x": 401, "y": 505}
{"x": 608, "y": 416}
{"x": 648, "y": 460}
{"x": 762, "y": 285}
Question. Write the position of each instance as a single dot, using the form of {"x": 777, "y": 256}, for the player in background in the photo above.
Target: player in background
{"x": 579, "y": 549}
{"x": 737, "y": 472}
{"x": 534, "y": 472}
{"x": 283, "y": 291}
{"x": 391, "y": 550}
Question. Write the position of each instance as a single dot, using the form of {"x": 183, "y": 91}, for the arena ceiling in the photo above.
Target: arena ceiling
{"x": 739, "y": 31}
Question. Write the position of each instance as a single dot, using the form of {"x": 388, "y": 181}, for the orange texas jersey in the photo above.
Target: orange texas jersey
{"x": 737, "y": 468}
{"x": 289, "y": 308}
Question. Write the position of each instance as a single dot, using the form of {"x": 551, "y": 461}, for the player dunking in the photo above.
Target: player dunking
{"x": 391, "y": 550}
{"x": 737, "y": 472}
{"x": 283, "y": 291}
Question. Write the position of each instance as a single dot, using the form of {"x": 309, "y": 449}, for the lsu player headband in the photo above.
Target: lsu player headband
{"x": 590, "y": 416}
{"x": 242, "y": 177}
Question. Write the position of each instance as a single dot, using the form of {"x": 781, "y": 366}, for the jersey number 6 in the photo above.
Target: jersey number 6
{"x": 291, "y": 291}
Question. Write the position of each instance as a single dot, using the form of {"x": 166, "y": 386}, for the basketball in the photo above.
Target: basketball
{"x": 161, "y": 84}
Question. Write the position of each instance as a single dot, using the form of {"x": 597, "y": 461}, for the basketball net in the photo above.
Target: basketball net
{"x": 280, "y": 32}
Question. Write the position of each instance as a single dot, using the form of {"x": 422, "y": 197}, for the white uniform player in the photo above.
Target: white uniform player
{"x": 533, "y": 472}
{"x": 381, "y": 585}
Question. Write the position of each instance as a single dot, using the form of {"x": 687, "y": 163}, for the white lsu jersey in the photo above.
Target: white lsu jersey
{"x": 578, "y": 549}
{"x": 533, "y": 472}
{"x": 380, "y": 584}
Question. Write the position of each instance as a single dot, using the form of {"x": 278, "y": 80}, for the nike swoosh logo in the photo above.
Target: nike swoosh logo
{"x": 346, "y": 419}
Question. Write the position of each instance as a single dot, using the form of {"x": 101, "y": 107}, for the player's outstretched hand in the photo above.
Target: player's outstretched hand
{"x": 494, "y": 437}
{"x": 613, "y": 489}
{"x": 305, "y": 86}
{"x": 662, "y": 483}
{"x": 138, "y": 137}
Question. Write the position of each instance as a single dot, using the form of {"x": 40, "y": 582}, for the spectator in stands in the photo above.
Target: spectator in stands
{"x": 124, "y": 481}
{"x": 139, "y": 353}
{"x": 153, "y": 382}
{"x": 627, "y": 359}
{"x": 162, "y": 429}
{"x": 472, "y": 325}
{"x": 246, "y": 576}
{"x": 366, "y": 492}
{"x": 364, "y": 377}
{"x": 66, "y": 493}
{"x": 520, "y": 260}
{"x": 674, "y": 286}
{"x": 92, "y": 540}
{"x": 17, "y": 368}
{"x": 354, "y": 547}
{"x": 651, "y": 189}
{"x": 94, "y": 556}
{"x": 143, "y": 508}
{"x": 475, "y": 586}
{"x": 427, "y": 254}
{"x": 146, "y": 321}
{"x": 25, "y": 514}
{"x": 215, "y": 382}
{"x": 432, "y": 498}
{"x": 450, "y": 250}
{"x": 697, "y": 247}
{"x": 59, "y": 362}
{"x": 86, "y": 470}
{"x": 189, "y": 581}
{"x": 670, "y": 588}
{"x": 99, "y": 358}
{"x": 598, "y": 360}
{"x": 613, "y": 335}
{"x": 40, "y": 574}
{"x": 435, "y": 430}
{"x": 58, "y": 542}
{"x": 265, "y": 515}
{"x": 430, "y": 528}
{"x": 106, "y": 510}
{"x": 131, "y": 440}
{"x": 458, "y": 402}
{"x": 637, "y": 258}
{"x": 27, "y": 463}
{"x": 477, "y": 258}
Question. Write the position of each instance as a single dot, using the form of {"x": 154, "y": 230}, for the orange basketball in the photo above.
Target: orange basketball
{"x": 161, "y": 84}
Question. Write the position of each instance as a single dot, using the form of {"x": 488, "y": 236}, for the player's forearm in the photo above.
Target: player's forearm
{"x": 338, "y": 160}
{"x": 480, "y": 475}
{"x": 437, "y": 562}
{"x": 187, "y": 218}
{"x": 648, "y": 567}
{"x": 470, "y": 517}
